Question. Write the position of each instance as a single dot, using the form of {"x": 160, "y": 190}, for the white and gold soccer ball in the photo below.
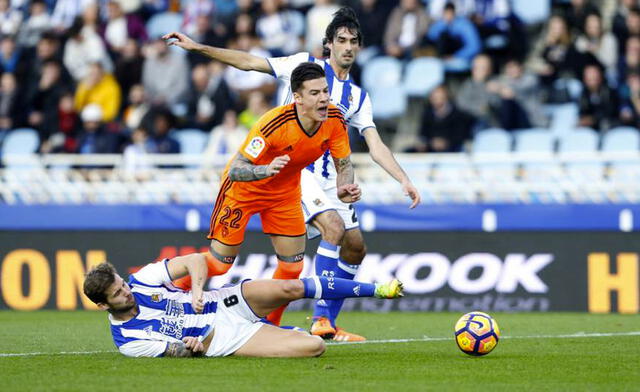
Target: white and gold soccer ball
{"x": 477, "y": 333}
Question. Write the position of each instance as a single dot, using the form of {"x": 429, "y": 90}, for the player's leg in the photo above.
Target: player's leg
{"x": 229, "y": 220}
{"x": 290, "y": 253}
{"x": 271, "y": 341}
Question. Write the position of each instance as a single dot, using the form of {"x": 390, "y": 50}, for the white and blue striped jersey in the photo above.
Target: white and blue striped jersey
{"x": 165, "y": 314}
{"x": 351, "y": 99}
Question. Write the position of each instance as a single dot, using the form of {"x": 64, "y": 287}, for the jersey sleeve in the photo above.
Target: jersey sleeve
{"x": 283, "y": 66}
{"x": 144, "y": 348}
{"x": 363, "y": 117}
{"x": 154, "y": 274}
{"x": 255, "y": 145}
{"x": 339, "y": 141}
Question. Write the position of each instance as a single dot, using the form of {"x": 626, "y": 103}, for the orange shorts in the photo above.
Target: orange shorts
{"x": 230, "y": 217}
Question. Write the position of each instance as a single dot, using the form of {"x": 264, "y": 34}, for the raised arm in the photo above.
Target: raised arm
{"x": 348, "y": 192}
{"x": 195, "y": 265}
{"x": 235, "y": 58}
{"x": 242, "y": 169}
{"x": 381, "y": 155}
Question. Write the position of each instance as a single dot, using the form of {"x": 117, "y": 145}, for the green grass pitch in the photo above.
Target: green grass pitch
{"x": 537, "y": 352}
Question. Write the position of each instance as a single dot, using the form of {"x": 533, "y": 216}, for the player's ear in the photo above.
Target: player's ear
{"x": 297, "y": 97}
{"x": 102, "y": 306}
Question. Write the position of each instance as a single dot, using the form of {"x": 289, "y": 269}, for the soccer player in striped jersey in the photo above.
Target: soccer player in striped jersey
{"x": 150, "y": 317}
{"x": 342, "y": 248}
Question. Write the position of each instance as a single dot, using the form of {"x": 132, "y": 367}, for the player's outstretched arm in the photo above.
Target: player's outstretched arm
{"x": 242, "y": 169}
{"x": 189, "y": 347}
{"x": 235, "y": 58}
{"x": 381, "y": 155}
{"x": 348, "y": 192}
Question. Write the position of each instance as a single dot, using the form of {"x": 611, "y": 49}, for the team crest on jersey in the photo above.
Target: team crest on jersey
{"x": 255, "y": 147}
{"x": 350, "y": 99}
{"x": 156, "y": 297}
{"x": 318, "y": 202}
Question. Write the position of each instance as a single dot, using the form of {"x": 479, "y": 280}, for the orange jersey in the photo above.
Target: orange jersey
{"x": 279, "y": 132}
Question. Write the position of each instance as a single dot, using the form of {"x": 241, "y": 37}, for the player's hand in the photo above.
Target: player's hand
{"x": 277, "y": 164}
{"x": 412, "y": 192}
{"x": 180, "y": 40}
{"x": 349, "y": 193}
{"x": 193, "y": 344}
{"x": 196, "y": 300}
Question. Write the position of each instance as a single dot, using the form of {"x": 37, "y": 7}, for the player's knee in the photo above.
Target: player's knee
{"x": 316, "y": 346}
{"x": 332, "y": 228}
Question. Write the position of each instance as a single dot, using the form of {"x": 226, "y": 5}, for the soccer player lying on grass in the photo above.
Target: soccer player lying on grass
{"x": 150, "y": 317}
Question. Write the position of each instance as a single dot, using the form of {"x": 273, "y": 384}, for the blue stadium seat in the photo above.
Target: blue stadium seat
{"x": 578, "y": 140}
{"x": 564, "y": 117}
{"x": 19, "y": 142}
{"x": 534, "y": 140}
{"x": 388, "y": 102}
{"x": 532, "y": 11}
{"x": 192, "y": 141}
{"x": 422, "y": 75}
{"x": 621, "y": 139}
{"x": 163, "y": 23}
{"x": 491, "y": 141}
{"x": 382, "y": 72}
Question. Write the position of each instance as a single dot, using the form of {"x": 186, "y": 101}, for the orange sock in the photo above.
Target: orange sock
{"x": 285, "y": 270}
{"x": 215, "y": 267}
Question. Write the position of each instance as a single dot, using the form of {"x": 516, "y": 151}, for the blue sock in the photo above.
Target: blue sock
{"x": 326, "y": 261}
{"x": 344, "y": 271}
{"x": 336, "y": 288}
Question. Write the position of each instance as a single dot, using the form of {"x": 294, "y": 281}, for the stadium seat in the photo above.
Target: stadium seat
{"x": 493, "y": 140}
{"x": 382, "y": 72}
{"x": 163, "y": 23}
{"x": 578, "y": 140}
{"x": 621, "y": 139}
{"x": 532, "y": 12}
{"x": 534, "y": 140}
{"x": 192, "y": 141}
{"x": 564, "y": 118}
{"x": 18, "y": 144}
{"x": 388, "y": 102}
{"x": 422, "y": 75}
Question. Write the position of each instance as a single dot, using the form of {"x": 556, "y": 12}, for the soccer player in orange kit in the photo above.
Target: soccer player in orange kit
{"x": 264, "y": 176}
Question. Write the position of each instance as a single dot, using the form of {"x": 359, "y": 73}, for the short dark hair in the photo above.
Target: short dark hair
{"x": 98, "y": 280}
{"x": 303, "y": 72}
{"x": 450, "y": 6}
{"x": 344, "y": 17}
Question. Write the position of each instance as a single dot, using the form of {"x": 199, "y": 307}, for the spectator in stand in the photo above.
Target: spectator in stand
{"x": 10, "y": 18}
{"x": 10, "y": 56}
{"x": 372, "y": 14}
{"x": 626, "y": 22}
{"x": 193, "y": 10}
{"x": 405, "y": 29}
{"x": 65, "y": 13}
{"x": 11, "y": 111}
{"x": 317, "y": 20}
{"x": 599, "y": 104}
{"x": 121, "y": 27}
{"x": 555, "y": 56}
{"x": 42, "y": 101}
{"x": 129, "y": 66}
{"x": 444, "y": 127}
{"x": 99, "y": 88}
{"x": 209, "y": 98}
{"x": 136, "y": 109}
{"x": 224, "y": 140}
{"x": 83, "y": 48}
{"x": 94, "y": 137}
{"x": 630, "y": 97}
{"x": 474, "y": 97}
{"x": 631, "y": 59}
{"x": 215, "y": 35}
{"x": 165, "y": 74}
{"x": 576, "y": 15}
{"x": 256, "y": 106}
{"x": 244, "y": 83}
{"x": 456, "y": 40}
{"x": 162, "y": 123}
{"x": 66, "y": 140}
{"x": 280, "y": 31}
{"x": 519, "y": 95}
{"x": 47, "y": 49}
{"x": 135, "y": 157}
{"x": 598, "y": 46}
{"x": 35, "y": 25}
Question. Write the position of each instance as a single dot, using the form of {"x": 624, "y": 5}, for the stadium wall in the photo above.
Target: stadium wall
{"x": 443, "y": 271}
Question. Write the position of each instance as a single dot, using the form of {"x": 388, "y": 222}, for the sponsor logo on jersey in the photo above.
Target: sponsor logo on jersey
{"x": 255, "y": 147}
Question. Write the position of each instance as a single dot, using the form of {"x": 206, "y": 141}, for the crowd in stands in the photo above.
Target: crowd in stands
{"x": 91, "y": 76}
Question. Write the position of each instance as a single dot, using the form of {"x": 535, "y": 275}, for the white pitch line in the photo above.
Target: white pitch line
{"x": 424, "y": 339}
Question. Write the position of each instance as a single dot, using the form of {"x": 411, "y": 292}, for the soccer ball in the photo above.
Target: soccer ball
{"x": 477, "y": 333}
